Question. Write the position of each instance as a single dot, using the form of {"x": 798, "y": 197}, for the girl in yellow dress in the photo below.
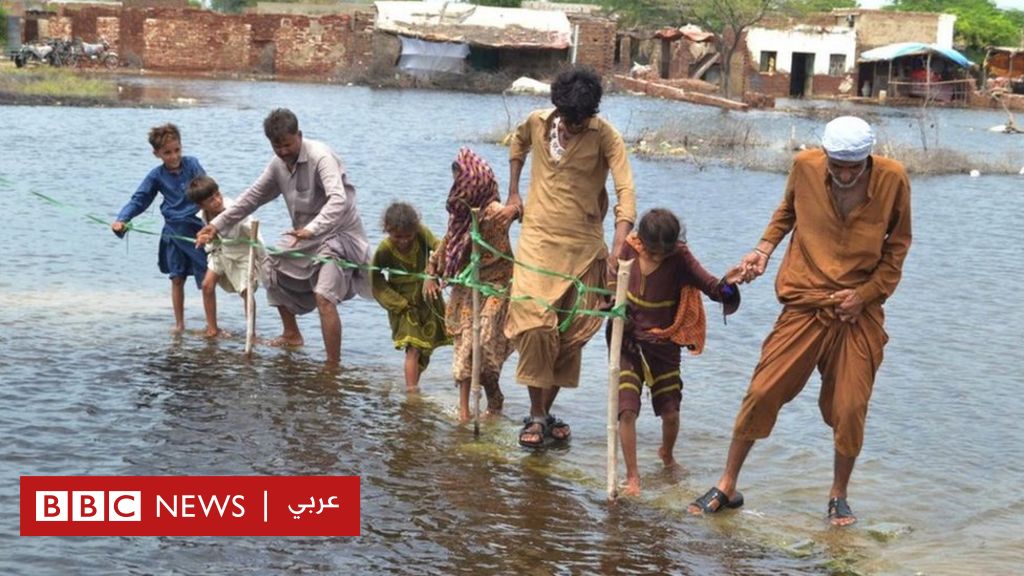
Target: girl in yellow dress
{"x": 417, "y": 321}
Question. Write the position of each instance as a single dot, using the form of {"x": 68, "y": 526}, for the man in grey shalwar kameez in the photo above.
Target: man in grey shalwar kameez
{"x": 325, "y": 221}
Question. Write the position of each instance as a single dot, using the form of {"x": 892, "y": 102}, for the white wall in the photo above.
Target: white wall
{"x": 822, "y": 42}
{"x": 944, "y": 35}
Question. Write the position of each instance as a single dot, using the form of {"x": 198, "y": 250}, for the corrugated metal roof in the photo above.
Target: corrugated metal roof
{"x": 472, "y": 24}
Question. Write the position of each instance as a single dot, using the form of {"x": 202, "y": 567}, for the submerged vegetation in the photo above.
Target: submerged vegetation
{"x": 738, "y": 142}
{"x": 45, "y": 85}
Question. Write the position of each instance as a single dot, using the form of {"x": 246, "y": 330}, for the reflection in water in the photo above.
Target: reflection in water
{"x": 91, "y": 382}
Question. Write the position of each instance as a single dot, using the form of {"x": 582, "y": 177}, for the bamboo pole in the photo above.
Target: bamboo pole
{"x": 477, "y": 345}
{"x": 250, "y": 297}
{"x": 614, "y": 358}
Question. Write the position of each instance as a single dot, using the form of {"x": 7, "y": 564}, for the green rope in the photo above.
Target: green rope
{"x": 464, "y": 278}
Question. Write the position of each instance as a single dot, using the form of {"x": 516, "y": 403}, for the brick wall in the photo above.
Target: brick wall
{"x": 142, "y": 4}
{"x": 191, "y": 40}
{"x": 109, "y": 29}
{"x": 195, "y": 40}
{"x": 777, "y": 84}
{"x": 312, "y": 45}
{"x": 876, "y": 28}
{"x": 60, "y": 27}
{"x": 596, "y": 46}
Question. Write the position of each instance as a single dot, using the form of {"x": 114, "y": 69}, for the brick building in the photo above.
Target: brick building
{"x": 817, "y": 55}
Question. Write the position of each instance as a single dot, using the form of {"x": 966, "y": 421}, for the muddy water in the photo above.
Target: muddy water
{"x": 91, "y": 382}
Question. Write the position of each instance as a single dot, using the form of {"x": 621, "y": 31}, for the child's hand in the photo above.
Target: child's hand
{"x": 205, "y": 235}
{"x": 736, "y": 275}
{"x": 119, "y": 229}
{"x": 431, "y": 289}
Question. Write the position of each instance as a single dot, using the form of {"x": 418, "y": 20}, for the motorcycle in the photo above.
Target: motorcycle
{"x": 35, "y": 53}
{"x": 86, "y": 54}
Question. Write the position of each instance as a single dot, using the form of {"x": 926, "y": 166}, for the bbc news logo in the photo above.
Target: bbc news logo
{"x": 88, "y": 506}
{"x": 190, "y": 506}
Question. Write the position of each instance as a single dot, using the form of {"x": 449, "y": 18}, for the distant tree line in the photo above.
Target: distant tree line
{"x": 979, "y": 23}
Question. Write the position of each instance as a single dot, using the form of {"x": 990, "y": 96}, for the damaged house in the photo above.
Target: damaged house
{"x": 807, "y": 59}
{"x": 818, "y": 55}
{"x": 424, "y": 38}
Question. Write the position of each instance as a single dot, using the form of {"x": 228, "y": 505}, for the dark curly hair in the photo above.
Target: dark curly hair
{"x": 659, "y": 230}
{"x": 279, "y": 123}
{"x": 400, "y": 217}
{"x": 576, "y": 94}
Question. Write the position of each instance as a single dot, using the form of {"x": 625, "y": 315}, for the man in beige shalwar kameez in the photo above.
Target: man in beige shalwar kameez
{"x": 563, "y": 232}
{"x": 326, "y": 225}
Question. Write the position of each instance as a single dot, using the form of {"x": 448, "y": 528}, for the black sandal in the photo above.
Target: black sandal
{"x": 557, "y": 424}
{"x": 527, "y": 429}
{"x": 716, "y": 496}
{"x": 839, "y": 509}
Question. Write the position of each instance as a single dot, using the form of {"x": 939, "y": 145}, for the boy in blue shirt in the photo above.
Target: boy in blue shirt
{"x": 177, "y": 258}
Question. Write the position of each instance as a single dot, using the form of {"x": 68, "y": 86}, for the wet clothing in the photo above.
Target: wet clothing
{"x": 321, "y": 200}
{"x": 563, "y": 231}
{"x": 497, "y": 272}
{"x": 227, "y": 256}
{"x": 648, "y": 354}
{"x": 175, "y": 207}
{"x": 415, "y": 321}
{"x": 177, "y": 258}
{"x": 864, "y": 252}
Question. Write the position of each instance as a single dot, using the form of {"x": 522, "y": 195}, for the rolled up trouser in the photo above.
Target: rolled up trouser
{"x": 846, "y": 355}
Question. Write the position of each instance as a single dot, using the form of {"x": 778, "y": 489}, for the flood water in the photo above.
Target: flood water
{"x": 93, "y": 383}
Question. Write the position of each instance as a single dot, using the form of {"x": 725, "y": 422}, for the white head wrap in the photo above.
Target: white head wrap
{"x": 848, "y": 139}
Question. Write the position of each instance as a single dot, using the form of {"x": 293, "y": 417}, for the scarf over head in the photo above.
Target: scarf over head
{"x": 848, "y": 139}
{"x": 474, "y": 187}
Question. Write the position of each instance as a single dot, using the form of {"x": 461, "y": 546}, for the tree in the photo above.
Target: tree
{"x": 3, "y": 27}
{"x": 231, "y": 6}
{"x": 728, "y": 19}
{"x": 652, "y": 13}
{"x": 979, "y": 23}
{"x": 809, "y": 6}
{"x": 499, "y": 3}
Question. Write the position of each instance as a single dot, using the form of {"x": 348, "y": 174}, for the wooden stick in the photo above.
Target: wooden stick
{"x": 250, "y": 298}
{"x": 614, "y": 359}
{"x": 477, "y": 345}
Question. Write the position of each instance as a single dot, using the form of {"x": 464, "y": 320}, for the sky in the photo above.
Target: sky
{"x": 1004, "y": 4}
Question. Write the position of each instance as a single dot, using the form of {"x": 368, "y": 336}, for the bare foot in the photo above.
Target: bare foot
{"x": 492, "y": 413}
{"x": 287, "y": 341}
{"x": 632, "y": 487}
{"x": 178, "y": 329}
{"x": 412, "y": 390}
{"x": 213, "y": 332}
{"x": 667, "y": 458}
{"x": 464, "y": 415}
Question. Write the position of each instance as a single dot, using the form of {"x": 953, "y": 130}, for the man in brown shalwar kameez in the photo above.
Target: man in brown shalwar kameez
{"x": 562, "y": 232}
{"x": 849, "y": 212}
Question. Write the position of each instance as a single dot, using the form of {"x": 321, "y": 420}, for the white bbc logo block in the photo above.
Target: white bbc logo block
{"x": 51, "y": 506}
{"x": 89, "y": 506}
{"x": 124, "y": 506}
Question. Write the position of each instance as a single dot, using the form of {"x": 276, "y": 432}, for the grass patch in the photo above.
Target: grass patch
{"x": 47, "y": 84}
